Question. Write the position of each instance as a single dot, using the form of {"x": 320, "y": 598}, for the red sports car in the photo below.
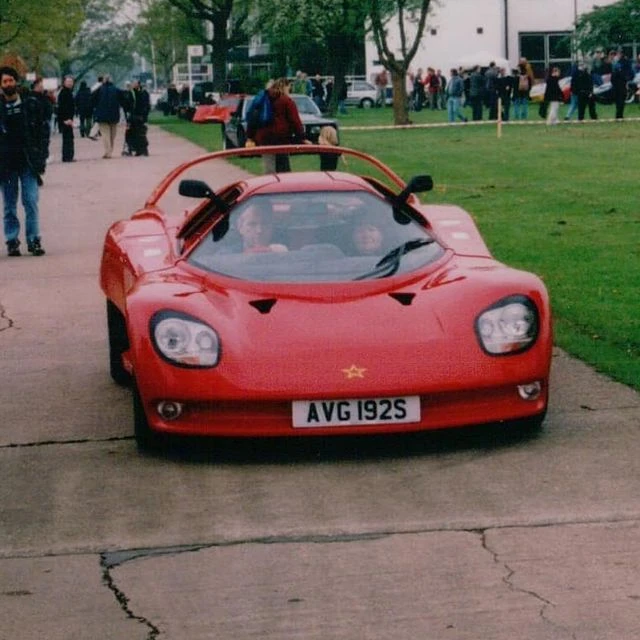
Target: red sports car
{"x": 219, "y": 113}
{"x": 317, "y": 302}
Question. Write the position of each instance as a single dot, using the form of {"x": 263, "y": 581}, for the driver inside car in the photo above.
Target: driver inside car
{"x": 255, "y": 226}
{"x": 367, "y": 238}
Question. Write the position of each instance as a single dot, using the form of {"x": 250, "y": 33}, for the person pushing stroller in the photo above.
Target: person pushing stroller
{"x": 137, "y": 107}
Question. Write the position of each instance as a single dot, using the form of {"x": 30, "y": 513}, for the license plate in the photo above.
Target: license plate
{"x": 342, "y": 413}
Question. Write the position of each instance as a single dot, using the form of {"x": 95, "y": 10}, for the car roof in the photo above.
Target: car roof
{"x": 307, "y": 181}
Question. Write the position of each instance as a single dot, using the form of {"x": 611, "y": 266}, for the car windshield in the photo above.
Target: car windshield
{"x": 315, "y": 237}
{"x": 231, "y": 102}
{"x": 306, "y": 105}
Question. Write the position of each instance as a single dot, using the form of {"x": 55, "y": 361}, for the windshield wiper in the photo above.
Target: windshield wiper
{"x": 389, "y": 264}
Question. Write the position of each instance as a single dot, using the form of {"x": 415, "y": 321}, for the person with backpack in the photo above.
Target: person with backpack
{"x": 273, "y": 119}
{"x": 521, "y": 94}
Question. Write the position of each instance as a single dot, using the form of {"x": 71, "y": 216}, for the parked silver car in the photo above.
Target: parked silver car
{"x": 360, "y": 93}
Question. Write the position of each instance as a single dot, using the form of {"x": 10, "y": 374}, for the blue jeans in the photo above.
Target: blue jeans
{"x": 573, "y": 107}
{"x": 29, "y": 183}
{"x": 521, "y": 108}
{"x": 453, "y": 109}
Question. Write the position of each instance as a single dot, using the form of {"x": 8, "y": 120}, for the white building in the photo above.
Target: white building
{"x": 539, "y": 30}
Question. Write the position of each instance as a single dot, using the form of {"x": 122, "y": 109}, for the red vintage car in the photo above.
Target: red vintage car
{"x": 317, "y": 302}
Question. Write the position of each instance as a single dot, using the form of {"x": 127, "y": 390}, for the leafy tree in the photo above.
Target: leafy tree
{"x": 382, "y": 14}
{"x": 59, "y": 37}
{"x": 316, "y": 35}
{"x": 38, "y": 30}
{"x": 102, "y": 44}
{"x": 615, "y": 24}
{"x": 227, "y": 19}
{"x": 163, "y": 33}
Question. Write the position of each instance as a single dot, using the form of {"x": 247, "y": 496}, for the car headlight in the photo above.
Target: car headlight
{"x": 183, "y": 340}
{"x": 508, "y": 326}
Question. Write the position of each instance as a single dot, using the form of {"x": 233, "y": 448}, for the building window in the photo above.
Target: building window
{"x": 480, "y": 30}
{"x": 544, "y": 50}
{"x": 434, "y": 32}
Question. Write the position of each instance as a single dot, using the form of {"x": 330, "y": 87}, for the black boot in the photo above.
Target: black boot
{"x": 13, "y": 248}
{"x": 35, "y": 248}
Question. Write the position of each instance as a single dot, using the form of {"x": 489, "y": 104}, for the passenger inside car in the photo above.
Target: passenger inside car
{"x": 367, "y": 238}
{"x": 255, "y": 226}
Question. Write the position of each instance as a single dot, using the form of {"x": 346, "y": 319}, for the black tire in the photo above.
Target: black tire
{"x": 118, "y": 344}
{"x": 242, "y": 137}
{"x": 147, "y": 440}
{"x": 226, "y": 143}
{"x": 527, "y": 427}
{"x": 532, "y": 426}
{"x": 366, "y": 103}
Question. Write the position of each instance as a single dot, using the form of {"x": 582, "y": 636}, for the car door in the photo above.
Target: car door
{"x": 235, "y": 134}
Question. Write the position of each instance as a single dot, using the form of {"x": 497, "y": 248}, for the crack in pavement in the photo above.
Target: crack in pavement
{"x": 122, "y": 599}
{"x": 110, "y": 560}
{"x": 5, "y": 321}
{"x": 48, "y": 443}
{"x": 114, "y": 559}
{"x": 508, "y": 579}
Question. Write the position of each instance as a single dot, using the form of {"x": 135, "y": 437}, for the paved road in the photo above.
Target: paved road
{"x": 453, "y": 536}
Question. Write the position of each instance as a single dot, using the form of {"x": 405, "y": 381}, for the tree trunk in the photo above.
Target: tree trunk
{"x": 339, "y": 65}
{"x": 400, "y": 112}
{"x": 219, "y": 46}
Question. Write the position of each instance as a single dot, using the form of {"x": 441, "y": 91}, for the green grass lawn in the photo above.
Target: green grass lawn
{"x": 563, "y": 202}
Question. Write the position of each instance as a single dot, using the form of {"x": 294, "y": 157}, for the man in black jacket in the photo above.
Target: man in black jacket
{"x": 582, "y": 86}
{"x": 137, "y": 107}
{"x": 22, "y": 161}
{"x": 66, "y": 113}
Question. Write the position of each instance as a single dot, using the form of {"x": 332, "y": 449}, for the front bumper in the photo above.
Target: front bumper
{"x": 256, "y": 418}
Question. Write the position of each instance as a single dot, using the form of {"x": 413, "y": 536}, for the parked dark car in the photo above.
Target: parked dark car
{"x": 234, "y": 131}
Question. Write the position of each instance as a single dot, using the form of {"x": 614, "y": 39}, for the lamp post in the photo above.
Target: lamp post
{"x": 506, "y": 29}
{"x": 574, "y": 39}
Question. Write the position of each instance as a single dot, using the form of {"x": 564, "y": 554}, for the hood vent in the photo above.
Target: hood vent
{"x": 403, "y": 298}
{"x": 263, "y": 306}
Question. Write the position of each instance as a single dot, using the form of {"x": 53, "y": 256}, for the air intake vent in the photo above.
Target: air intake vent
{"x": 403, "y": 298}
{"x": 263, "y": 306}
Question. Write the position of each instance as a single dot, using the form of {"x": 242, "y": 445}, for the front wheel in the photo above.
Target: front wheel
{"x": 226, "y": 142}
{"x": 242, "y": 138}
{"x": 118, "y": 344}
{"x": 146, "y": 438}
{"x": 366, "y": 103}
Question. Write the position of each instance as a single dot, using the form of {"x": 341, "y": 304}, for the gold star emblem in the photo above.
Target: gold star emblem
{"x": 354, "y": 371}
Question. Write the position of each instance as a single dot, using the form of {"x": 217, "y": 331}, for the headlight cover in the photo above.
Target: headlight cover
{"x": 183, "y": 340}
{"x": 509, "y": 326}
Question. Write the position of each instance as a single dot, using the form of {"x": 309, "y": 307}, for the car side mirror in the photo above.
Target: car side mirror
{"x": 200, "y": 189}
{"x": 417, "y": 184}
{"x": 195, "y": 189}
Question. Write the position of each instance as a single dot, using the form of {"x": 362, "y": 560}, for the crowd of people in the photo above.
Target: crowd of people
{"x": 29, "y": 115}
{"x": 483, "y": 89}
